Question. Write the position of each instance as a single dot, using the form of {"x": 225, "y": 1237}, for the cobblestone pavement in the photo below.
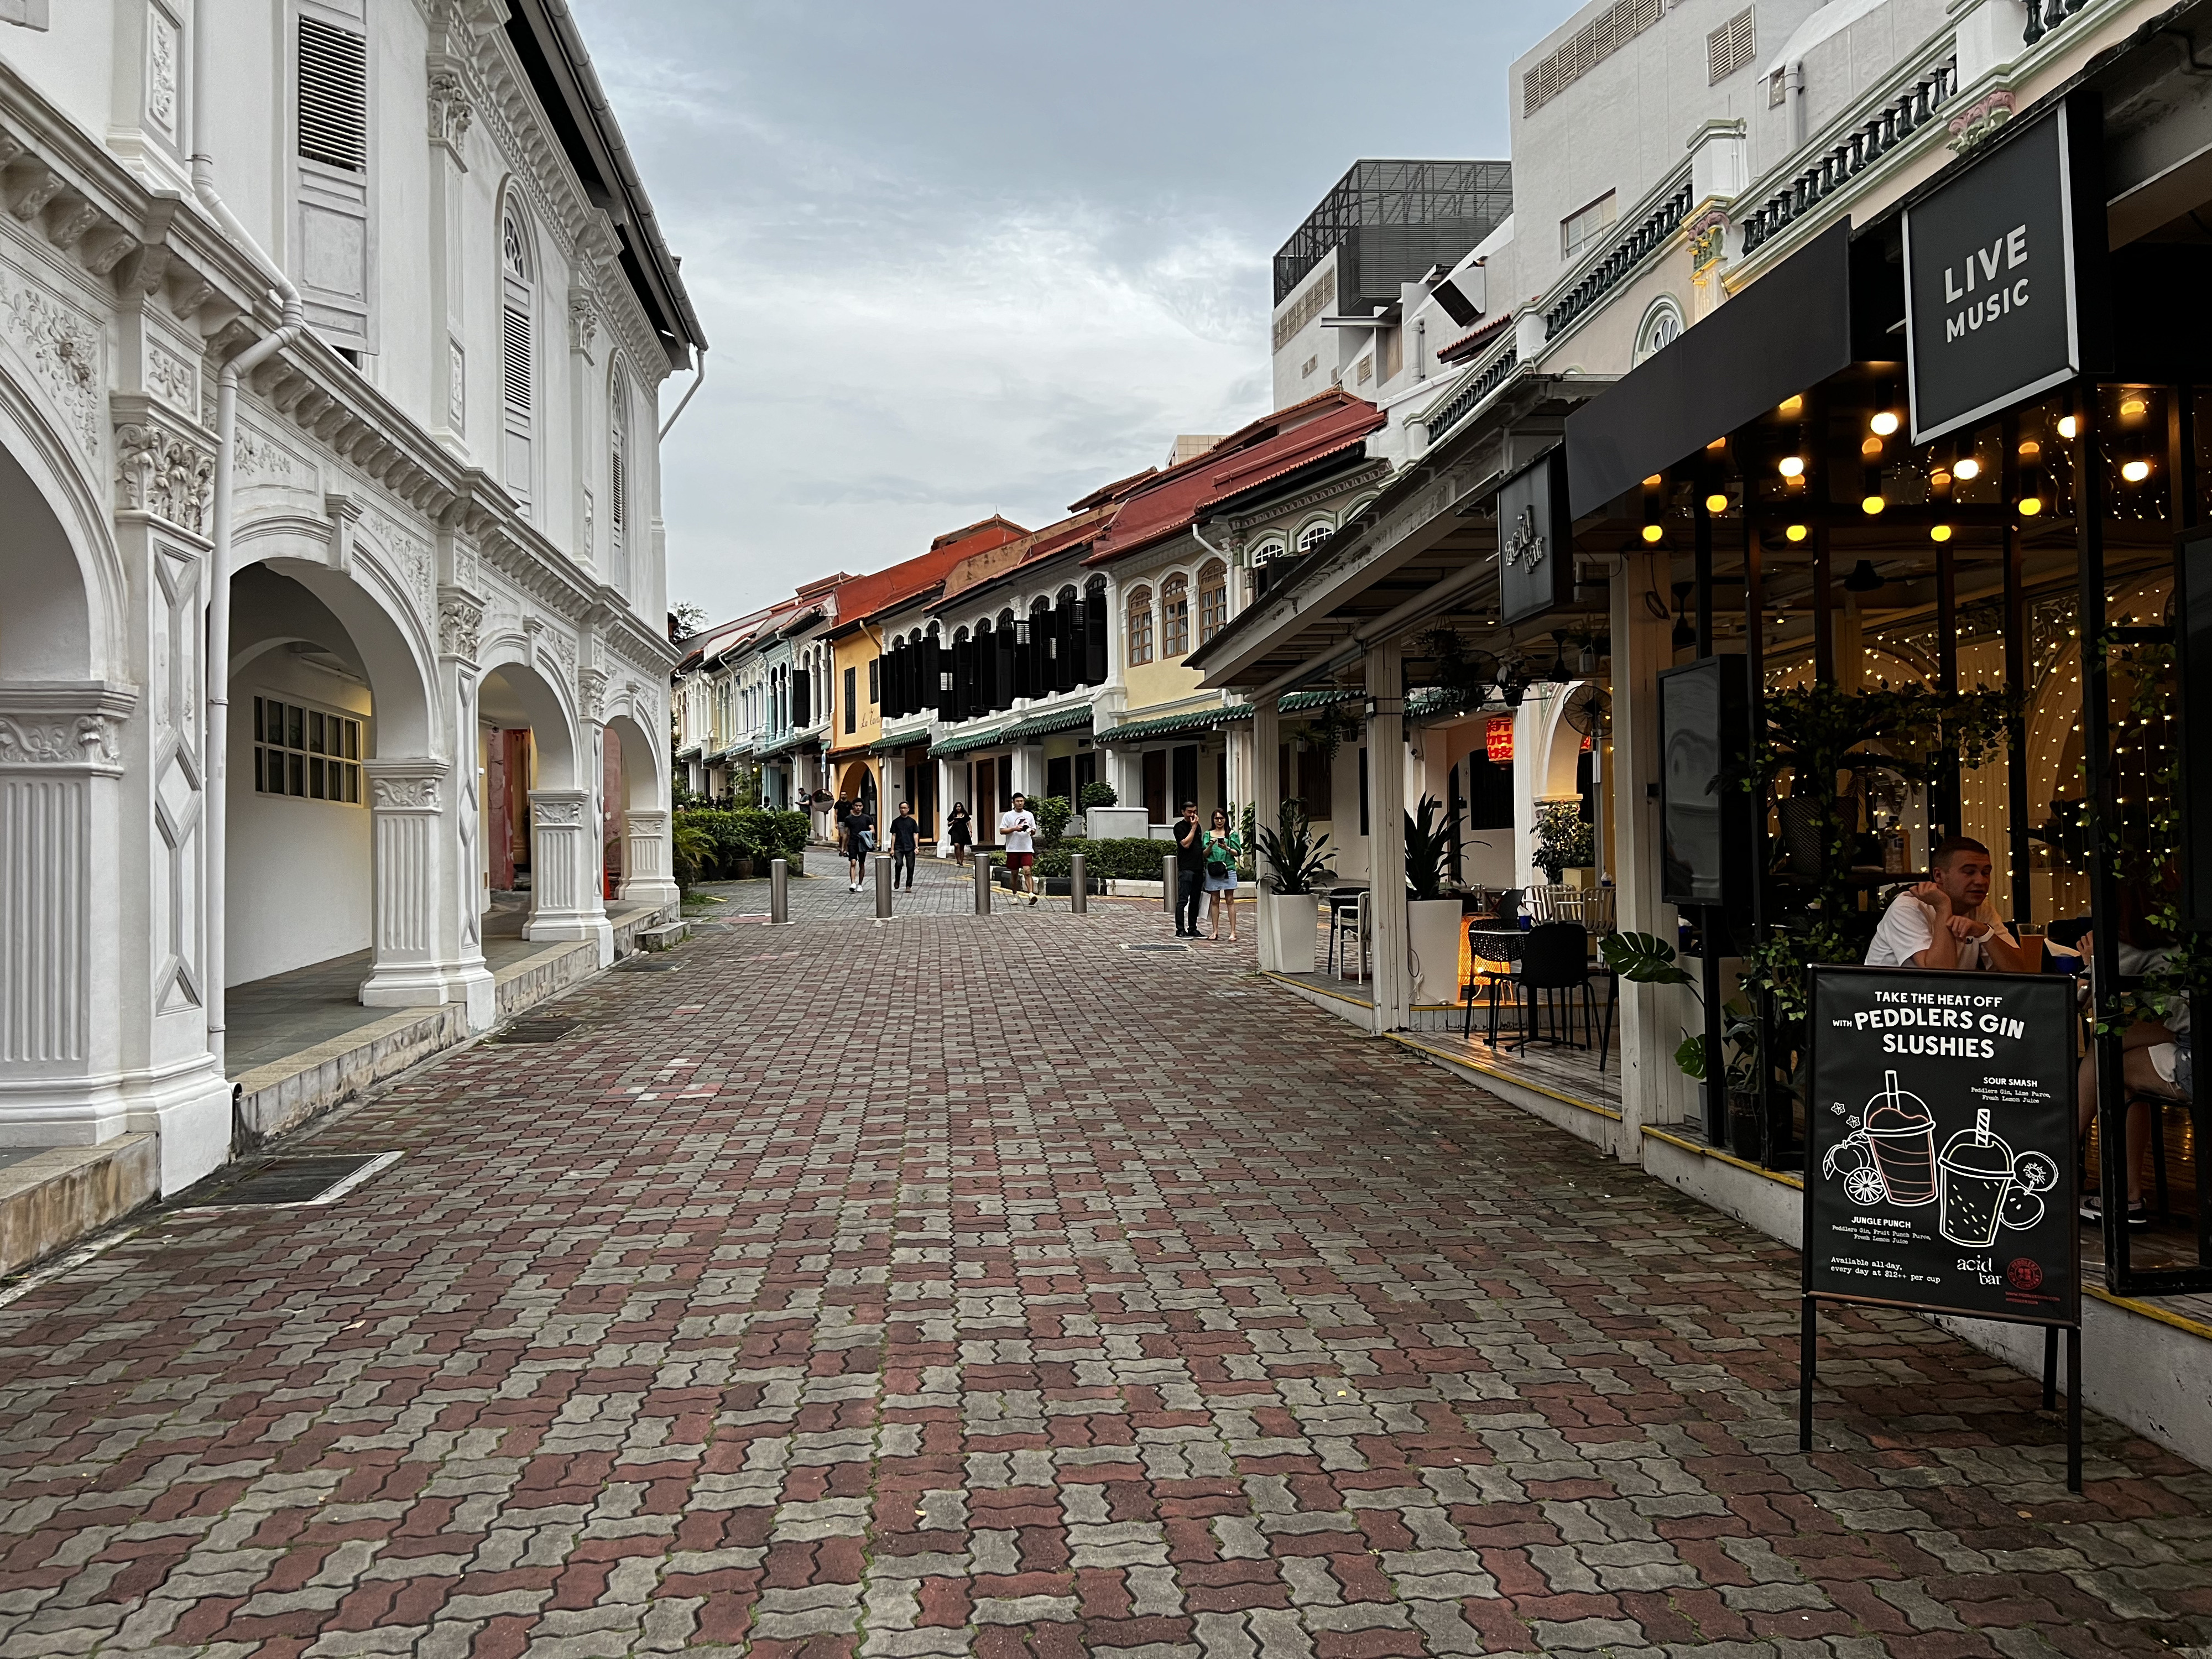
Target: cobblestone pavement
{"x": 963, "y": 1285}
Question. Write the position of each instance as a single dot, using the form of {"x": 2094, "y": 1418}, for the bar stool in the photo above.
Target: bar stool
{"x": 1347, "y": 923}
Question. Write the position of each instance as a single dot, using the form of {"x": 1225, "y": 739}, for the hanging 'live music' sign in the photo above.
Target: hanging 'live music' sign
{"x": 1940, "y": 1162}
{"x": 1993, "y": 275}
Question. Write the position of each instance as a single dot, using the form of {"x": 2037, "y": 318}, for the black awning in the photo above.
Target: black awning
{"x": 1787, "y": 331}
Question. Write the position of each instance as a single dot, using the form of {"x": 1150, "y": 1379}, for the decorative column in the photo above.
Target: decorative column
{"x": 565, "y": 865}
{"x": 62, "y": 976}
{"x": 407, "y": 801}
{"x": 449, "y": 112}
{"x": 1386, "y": 842}
{"x": 646, "y": 877}
{"x": 459, "y": 870}
{"x": 1266, "y": 802}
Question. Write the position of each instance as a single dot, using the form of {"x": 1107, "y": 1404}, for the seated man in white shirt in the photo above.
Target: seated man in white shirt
{"x": 1949, "y": 922}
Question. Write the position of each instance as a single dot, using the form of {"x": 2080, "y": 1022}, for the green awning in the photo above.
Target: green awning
{"x": 1171, "y": 725}
{"x": 1040, "y": 726}
{"x": 894, "y": 745}
{"x": 789, "y": 744}
{"x": 1297, "y": 702}
{"x": 960, "y": 743}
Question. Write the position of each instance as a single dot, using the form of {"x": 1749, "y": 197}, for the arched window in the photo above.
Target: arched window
{"x": 1315, "y": 534}
{"x": 1175, "y": 617}
{"x": 1269, "y": 548}
{"x": 1212, "y": 599}
{"x": 518, "y": 351}
{"x": 1097, "y": 625}
{"x": 1140, "y": 626}
{"x": 1662, "y": 324}
{"x": 618, "y": 477}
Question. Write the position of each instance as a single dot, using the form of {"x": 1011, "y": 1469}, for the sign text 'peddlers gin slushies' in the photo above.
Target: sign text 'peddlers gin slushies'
{"x": 1940, "y": 1173}
{"x": 1992, "y": 279}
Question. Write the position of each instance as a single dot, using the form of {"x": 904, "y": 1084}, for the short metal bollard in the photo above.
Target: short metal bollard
{"x": 982, "y": 885}
{"x": 1168, "y": 884}
{"x": 1079, "y": 885}
{"x": 883, "y": 886}
{"x": 779, "y": 891}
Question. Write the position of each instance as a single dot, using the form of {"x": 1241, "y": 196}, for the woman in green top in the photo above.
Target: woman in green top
{"x": 1221, "y": 854}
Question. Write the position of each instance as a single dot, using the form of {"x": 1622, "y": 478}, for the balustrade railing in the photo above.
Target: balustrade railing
{"x": 2045, "y": 16}
{"x": 1858, "y": 149}
{"x": 1463, "y": 402}
{"x": 1628, "y": 253}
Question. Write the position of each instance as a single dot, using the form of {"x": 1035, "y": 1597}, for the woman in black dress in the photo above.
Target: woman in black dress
{"x": 956, "y": 832}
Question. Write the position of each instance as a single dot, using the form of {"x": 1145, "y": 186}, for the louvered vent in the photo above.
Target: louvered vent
{"x": 333, "y": 96}
{"x": 1731, "y": 47}
{"x": 517, "y": 360}
{"x": 619, "y": 487}
{"x": 1588, "y": 46}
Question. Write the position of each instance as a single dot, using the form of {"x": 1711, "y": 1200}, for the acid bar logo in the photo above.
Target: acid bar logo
{"x": 2008, "y": 254}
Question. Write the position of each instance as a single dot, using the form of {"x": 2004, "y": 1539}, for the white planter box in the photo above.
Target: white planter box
{"x": 1115, "y": 823}
{"x": 1290, "y": 932}
{"x": 1432, "y": 934}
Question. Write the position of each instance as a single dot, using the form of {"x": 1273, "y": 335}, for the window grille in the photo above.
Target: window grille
{"x": 333, "y": 95}
{"x": 1313, "y": 535}
{"x": 1175, "y": 618}
{"x": 309, "y": 753}
{"x": 1140, "y": 627}
{"x": 1731, "y": 47}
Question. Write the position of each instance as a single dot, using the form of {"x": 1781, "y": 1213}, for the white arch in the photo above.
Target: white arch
{"x": 83, "y": 636}
{"x": 545, "y": 706}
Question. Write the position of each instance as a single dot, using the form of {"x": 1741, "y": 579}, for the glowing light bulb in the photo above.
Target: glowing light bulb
{"x": 2067, "y": 426}
{"x": 2135, "y": 471}
{"x": 2031, "y": 507}
{"x": 1871, "y": 446}
{"x": 1795, "y": 532}
{"x": 1716, "y": 502}
{"x": 2132, "y": 405}
{"x": 1792, "y": 405}
{"x": 1884, "y": 423}
{"x": 1872, "y": 504}
{"x": 1652, "y": 532}
{"x": 1654, "y": 482}
{"x": 1941, "y": 532}
{"x": 1791, "y": 467}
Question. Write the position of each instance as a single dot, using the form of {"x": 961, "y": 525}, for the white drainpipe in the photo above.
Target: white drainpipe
{"x": 216, "y": 815}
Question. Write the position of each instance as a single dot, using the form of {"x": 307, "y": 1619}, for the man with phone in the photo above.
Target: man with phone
{"x": 1018, "y": 833}
{"x": 1947, "y": 921}
{"x": 1190, "y": 870}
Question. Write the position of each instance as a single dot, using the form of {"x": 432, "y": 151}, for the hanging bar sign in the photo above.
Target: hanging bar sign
{"x": 1993, "y": 276}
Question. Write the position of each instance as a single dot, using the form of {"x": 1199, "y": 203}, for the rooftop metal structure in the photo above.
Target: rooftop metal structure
{"x": 1393, "y": 219}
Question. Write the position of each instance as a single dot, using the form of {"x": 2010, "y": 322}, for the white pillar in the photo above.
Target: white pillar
{"x": 564, "y": 871}
{"x": 1266, "y": 803}
{"x": 1386, "y": 839}
{"x": 1028, "y": 759}
{"x": 1652, "y": 1089}
{"x": 407, "y": 803}
{"x": 649, "y": 875}
{"x": 947, "y": 787}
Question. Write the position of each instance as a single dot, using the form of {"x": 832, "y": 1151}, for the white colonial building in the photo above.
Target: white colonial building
{"x": 330, "y": 342}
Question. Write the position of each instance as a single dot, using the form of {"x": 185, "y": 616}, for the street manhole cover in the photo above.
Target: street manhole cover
{"x": 289, "y": 1183}
{"x": 537, "y": 1031}
{"x": 1185, "y": 949}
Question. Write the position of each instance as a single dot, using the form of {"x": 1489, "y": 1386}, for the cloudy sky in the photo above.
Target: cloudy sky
{"x": 957, "y": 259}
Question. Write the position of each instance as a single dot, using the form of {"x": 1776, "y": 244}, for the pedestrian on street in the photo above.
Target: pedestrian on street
{"x": 906, "y": 830}
{"x": 1222, "y": 850}
{"x": 1190, "y": 870}
{"x": 1018, "y": 833}
{"x": 956, "y": 831}
{"x": 856, "y": 844}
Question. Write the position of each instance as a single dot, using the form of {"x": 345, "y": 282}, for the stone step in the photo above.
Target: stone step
{"x": 53, "y": 1197}
{"x": 666, "y": 937}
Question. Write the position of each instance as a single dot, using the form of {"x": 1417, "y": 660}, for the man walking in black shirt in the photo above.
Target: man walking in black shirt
{"x": 906, "y": 831}
{"x": 1190, "y": 870}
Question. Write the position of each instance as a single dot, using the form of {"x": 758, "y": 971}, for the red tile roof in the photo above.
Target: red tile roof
{"x": 979, "y": 568}
{"x": 1473, "y": 340}
{"x": 864, "y": 596}
{"x": 1284, "y": 441}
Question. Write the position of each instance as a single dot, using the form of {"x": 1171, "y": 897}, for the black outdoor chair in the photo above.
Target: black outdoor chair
{"x": 1555, "y": 959}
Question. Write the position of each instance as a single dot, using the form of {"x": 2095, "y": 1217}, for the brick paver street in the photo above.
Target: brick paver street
{"x": 963, "y": 1285}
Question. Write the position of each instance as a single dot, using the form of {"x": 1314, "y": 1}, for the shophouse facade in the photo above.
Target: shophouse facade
{"x": 331, "y": 348}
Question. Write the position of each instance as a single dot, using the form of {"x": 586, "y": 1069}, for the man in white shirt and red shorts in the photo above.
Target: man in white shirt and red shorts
{"x": 1018, "y": 833}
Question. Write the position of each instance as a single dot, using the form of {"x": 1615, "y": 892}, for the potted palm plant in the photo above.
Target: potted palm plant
{"x": 1298, "y": 865}
{"x": 1431, "y": 920}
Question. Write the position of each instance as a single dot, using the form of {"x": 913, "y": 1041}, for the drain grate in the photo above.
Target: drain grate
{"x": 537, "y": 1031}
{"x": 284, "y": 1182}
{"x": 1185, "y": 949}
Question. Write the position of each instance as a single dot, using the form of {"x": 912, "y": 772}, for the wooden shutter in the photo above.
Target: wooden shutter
{"x": 1731, "y": 47}
{"x": 336, "y": 245}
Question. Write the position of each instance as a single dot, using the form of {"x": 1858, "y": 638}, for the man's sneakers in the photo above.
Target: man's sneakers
{"x": 2093, "y": 1212}
{"x": 1033, "y": 898}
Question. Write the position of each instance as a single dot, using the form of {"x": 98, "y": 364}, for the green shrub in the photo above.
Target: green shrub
{"x": 749, "y": 832}
{"x": 1127, "y": 858}
{"x": 1052, "y": 814}
{"x": 1097, "y": 794}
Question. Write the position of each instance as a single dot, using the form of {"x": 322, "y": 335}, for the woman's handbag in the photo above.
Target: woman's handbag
{"x": 1221, "y": 856}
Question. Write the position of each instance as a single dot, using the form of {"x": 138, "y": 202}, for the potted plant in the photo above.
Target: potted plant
{"x": 1647, "y": 959}
{"x": 1564, "y": 841}
{"x": 1290, "y": 894}
{"x": 1432, "y": 921}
